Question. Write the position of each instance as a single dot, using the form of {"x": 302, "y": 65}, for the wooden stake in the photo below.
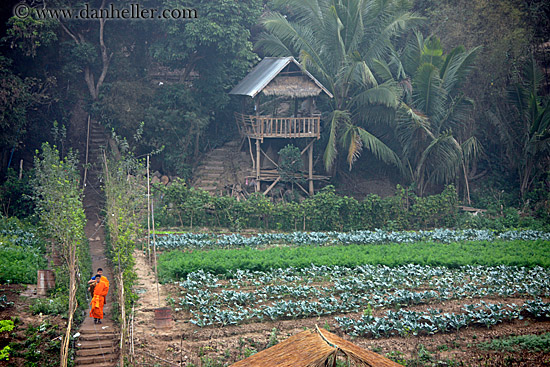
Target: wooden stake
{"x": 155, "y": 252}
{"x": 148, "y": 213}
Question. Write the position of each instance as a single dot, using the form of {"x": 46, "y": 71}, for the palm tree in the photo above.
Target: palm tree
{"x": 526, "y": 136}
{"x": 348, "y": 46}
{"x": 431, "y": 148}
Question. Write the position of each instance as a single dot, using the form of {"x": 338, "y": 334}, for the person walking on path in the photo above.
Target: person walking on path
{"x": 92, "y": 282}
{"x": 98, "y": 301}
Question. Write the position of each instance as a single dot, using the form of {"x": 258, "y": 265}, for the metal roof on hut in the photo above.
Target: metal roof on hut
{"x": 314, "y": 349}
{"x": 280, "y": 76}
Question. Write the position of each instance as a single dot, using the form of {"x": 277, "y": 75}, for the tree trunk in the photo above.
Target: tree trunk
{"x": 72, "y": 304}
{"x": 123, "y": 328}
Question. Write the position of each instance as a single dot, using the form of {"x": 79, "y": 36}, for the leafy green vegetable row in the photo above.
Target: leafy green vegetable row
{"x": 320, "y": 290}
{"x": 175, "y": 265}
{"x": 212, "y": 241}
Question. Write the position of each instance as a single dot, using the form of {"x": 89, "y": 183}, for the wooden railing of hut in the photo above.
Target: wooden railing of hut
{"x": 260, "y": 127}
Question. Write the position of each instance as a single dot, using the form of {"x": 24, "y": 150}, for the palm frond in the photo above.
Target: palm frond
{"x": 533, "y": 76}
{"x": 428, "y": 93}
{"x": 412, "y": 53}
{"x": 378, "y": 148}
{"x": 457, "y": 112}
{"x": 458, "y": 64}
{"x": 380, "y": 95}
{"x": 471, "y": 149}
{"x": 351, "y": 139}
{"x": 273, "y": 45}
{"x": 441, "y": 159}
{"x": 337, "y": 118}
{"x": 412, "y": 130}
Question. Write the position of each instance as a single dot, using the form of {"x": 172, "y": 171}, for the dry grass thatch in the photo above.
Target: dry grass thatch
{"x": 292, "y": 86}
{"x": 314, "y": 349}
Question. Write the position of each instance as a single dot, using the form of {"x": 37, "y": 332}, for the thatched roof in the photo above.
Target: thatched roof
{"x": 262, "y": 75}
{"x": 314, "y": 349}
{"x": 292, "y": 86}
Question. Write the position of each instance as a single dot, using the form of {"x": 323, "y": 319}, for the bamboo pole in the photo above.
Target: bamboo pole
{"x": 258, "y": 165}
{"x": 155, "y": 252}
{"x": 87, "y": 148}
{"x": 148, "y": 213}
{"x": 310, "y": 158}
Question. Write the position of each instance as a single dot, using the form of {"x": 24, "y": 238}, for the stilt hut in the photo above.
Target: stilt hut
{"x": 280, "y": 78}
{"x": 319, "y": 348}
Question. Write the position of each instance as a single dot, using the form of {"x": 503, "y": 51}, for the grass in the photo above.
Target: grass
{"x": 531, "y": 342}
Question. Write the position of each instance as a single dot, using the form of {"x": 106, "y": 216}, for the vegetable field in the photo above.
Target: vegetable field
{"x": 372, "y": 287}
{"x": 318, "y": 291}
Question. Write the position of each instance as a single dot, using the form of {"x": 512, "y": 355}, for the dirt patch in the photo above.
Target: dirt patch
{"x": 35, "y": 338}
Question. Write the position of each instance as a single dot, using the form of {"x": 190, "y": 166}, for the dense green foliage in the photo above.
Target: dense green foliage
{"x": 168, "y": 80}
{"x": 22, "y": 252}
{"x": 178, "y": 205}
{"x": 175, "y": 265}
{"x": 16, "y": 195}
{"x": 348, "y": 46}
{"x": 438, "y": 147}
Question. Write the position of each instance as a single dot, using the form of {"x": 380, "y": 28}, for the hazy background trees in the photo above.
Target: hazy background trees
{"x": 421, "y": 86}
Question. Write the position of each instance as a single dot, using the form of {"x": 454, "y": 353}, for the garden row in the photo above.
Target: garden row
{"x": 316, "y": 291}
{"x": 175, "y": 265}
{"x": 403, "y": 322}
{"x": 201, "y": 241}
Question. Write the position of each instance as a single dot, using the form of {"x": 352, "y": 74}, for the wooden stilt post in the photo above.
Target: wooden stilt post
{"x": 260, "y": 130}
{"x": 257, "y": 165}
{"x": 310, "y": 156}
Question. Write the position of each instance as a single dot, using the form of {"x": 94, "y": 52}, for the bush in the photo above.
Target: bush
{"x": 179, "y": 205}
{"x": 16, "y": 195}
{"x": 22, "y": 252}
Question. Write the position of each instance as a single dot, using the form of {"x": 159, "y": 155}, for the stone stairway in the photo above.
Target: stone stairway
{"x": 97, "y": 347}
{"x": 98, "y": 344}
{"x": 221, "y": 168}
{"x": 98, "y": 142}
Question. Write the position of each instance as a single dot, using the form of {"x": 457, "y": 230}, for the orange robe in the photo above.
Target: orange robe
{"x": 100, "y": 291}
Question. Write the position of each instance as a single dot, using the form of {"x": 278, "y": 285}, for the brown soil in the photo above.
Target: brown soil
{"x": 22, "y": 335}
{"x": 188, "y": 345}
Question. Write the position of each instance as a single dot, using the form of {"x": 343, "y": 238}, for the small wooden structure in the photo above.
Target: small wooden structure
{"x": 281, "y": 77}
{"x": 315, "y": 349}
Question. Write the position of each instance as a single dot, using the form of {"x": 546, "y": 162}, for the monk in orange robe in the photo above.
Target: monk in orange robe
{"x": 98, "y": 301}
